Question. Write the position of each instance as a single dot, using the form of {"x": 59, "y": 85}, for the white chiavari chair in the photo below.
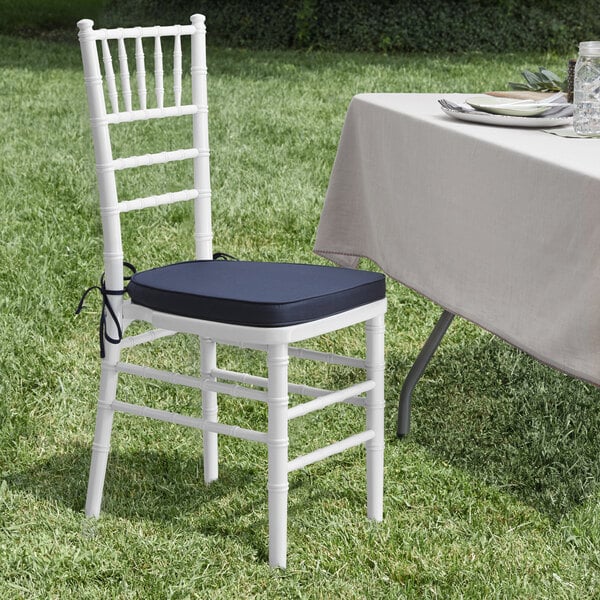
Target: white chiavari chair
{"x": 264, "y": 306}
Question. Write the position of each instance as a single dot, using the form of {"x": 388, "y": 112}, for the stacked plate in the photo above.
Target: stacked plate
{"x": 494, "y": 110}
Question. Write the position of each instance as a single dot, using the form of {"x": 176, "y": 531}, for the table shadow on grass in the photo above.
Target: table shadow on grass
{"x": 492, "y": 410}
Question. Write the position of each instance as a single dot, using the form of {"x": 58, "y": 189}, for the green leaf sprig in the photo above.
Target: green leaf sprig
{"x": 543, "y": 80}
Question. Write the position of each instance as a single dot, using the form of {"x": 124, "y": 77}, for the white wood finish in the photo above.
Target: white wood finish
{"x": 202, "y": 205}
{"x": 177, "y": 70}
{"x": 274, "y": 341}
{"x": 149, "y": 201}
{"x": 179, "y": 419}
{"x": 277, "y": 443}
{"x": 151, "y": 113}
{"x": 144, "y": 338}
{"x": 329, "y": 399}
{"x": 147, "y": 160}
{"x": 159, "y": 375}
{"x": 293, "y": 388}
{"x": 307, "y": 459}
{"x": 208, "y": 363}
{"x": 140, "y": 72}
{"x": 124, "y": 70}
{"x": 158, "y": 73}
{"x": 328, "y": 357}
{"x": 136, "y": 32}
{"x": 375, "y": 405}
{"x": 111, "y": 83}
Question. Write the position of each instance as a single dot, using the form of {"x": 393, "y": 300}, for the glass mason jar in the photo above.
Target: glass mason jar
{"x": 586, "y": 96}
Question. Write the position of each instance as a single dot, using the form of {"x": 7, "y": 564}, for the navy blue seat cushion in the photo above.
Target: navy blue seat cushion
{"x": 254, "y": 293}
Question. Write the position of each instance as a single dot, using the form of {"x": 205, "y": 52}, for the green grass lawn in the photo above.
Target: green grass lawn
{"x": 494, "y": 494}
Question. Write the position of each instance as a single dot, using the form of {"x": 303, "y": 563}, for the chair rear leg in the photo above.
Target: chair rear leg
{"x": 208, "y": 350}
{"x": 277, "y": 442}
{"x": 101, "y": 445}
{"x": 375, "y": 417}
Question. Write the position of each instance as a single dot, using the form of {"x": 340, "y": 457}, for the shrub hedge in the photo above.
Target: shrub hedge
{"x": 371, "y": 25}
{"x": 387, "y": 25}
{"x": 31, "y": 16}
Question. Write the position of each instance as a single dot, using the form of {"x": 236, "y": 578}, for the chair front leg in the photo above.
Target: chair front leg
{"x": 277, "y": 442}
{"x": 208, "y": 350}
{"x": 101, "y": 445}
{"x": 375, "y": 417}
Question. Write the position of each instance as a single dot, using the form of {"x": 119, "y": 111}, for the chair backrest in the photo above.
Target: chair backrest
{"x": 125, "y": 107}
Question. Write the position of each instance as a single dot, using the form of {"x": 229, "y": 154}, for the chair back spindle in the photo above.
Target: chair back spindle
{"x": 158, "y": 73}
{"x": 177, "y": 70}
{"x": 140, "y": 71}
{"x": 124, "y": 70}
{"x": 109, "y": 73}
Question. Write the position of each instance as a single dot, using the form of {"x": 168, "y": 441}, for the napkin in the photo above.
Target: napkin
{"x": 568, "y": 132}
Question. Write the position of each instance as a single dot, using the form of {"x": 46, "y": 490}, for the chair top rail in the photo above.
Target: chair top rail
{"x": 121, "y": 33}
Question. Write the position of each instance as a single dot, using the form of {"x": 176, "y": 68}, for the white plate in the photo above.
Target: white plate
{"x": 508, "y": 121}
{"x": 507, "y": 106}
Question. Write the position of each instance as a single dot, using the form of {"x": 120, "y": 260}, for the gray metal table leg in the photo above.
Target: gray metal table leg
{"x": 433, "y": 341}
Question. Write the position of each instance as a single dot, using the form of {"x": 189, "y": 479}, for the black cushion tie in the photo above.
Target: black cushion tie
{"x": 223, "y": 256}
{"x": 107, "y": 308}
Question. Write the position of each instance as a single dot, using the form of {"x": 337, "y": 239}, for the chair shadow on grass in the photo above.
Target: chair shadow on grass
{"x": 156, "y": 486}
{"x": 168, "y": 486}
{"x": 502, "y": 416}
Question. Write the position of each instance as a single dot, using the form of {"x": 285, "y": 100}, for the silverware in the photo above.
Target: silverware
{"x": 453, "y": 106}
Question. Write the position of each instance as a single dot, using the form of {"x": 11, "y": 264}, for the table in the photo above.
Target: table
{"x": 499, "y": 225}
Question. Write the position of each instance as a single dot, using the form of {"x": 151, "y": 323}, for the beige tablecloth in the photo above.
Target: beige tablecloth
{"x": 499, "y": 225}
